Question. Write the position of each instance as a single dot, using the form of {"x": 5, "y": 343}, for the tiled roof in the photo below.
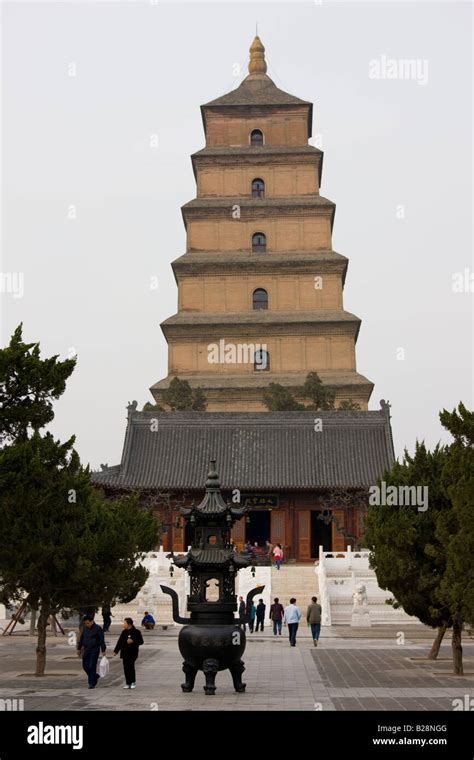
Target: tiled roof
{"x": 211, "y": 557}
{"x": 260, "y": 91}
{"x": 254, "y": 451}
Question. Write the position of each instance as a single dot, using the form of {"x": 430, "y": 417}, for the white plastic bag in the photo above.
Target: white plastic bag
{"x": 104, "y": 666}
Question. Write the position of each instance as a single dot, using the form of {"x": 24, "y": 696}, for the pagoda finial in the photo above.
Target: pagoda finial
{"x": 212, "y": 476}
{"x": 257, "y": 64}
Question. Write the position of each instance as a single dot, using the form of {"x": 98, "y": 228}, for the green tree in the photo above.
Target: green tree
{"x": 63, "y": 546}
{"x": 348, "y": 404}
{"x": 199, "y": 403}
{"x": 407, "y": 554}
{"x": 180, "y": 397}
{"x": 277, "y": 398}
{"x": 28, "y": 385}
{"x": 320, "y": 396}
{"x": 149, "y": 407}
{"x": 456, "y": 527}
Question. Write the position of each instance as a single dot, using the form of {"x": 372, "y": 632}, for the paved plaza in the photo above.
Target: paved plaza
{"x": 351, "y": 669}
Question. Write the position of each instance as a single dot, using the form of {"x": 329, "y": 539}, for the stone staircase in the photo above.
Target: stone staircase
{"x": 299, "y": 581}
{"x": 340, "y": 575}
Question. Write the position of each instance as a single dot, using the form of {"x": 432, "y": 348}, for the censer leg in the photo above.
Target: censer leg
{"x": 236, "y": 671}
{"x": 190, "y": 673}
{"x": 210, "y": 668}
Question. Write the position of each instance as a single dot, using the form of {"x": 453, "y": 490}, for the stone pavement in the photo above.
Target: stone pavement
{"x": 349, "y": 670}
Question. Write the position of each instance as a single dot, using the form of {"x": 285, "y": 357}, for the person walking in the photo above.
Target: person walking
{"x": 129, "y": 641}
{"x": 252, "y": 612}
{"x": 91, "y": 642}
{"x": 313, "y": 617}
{"x": 276, "y": 616}
{"x": 292, "y": 618}
{"x": 260, "y": 614}
{"x": 278, "y": 555}
{"x": 107, "y": 618}
{"x": 242, "y": 611}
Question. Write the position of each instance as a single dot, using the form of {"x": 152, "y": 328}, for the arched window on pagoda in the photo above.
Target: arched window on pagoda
{"x": 258, "y": 188}
{"x": 261, "y": 361}
{"x": 256, "y": 138}
{"x": 259, "y": 242}
{"x": 260, "y": 299}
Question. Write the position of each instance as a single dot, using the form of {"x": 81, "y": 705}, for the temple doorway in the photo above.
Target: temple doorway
{"x": 321, "y": 534}
{"x": 258, "y": 529}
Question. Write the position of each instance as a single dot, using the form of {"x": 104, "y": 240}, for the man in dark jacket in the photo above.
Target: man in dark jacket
{"x": 313, "y": 618}
{"x": 106, "y": 617}
{"x": 242, "y": 611}
{"x": 261, "y": 607}
{"x": 276, "y": 616}
{"x": 91, "y": 642}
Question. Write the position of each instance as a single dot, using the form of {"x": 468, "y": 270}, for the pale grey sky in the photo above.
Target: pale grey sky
{"x": 393, "y": 148}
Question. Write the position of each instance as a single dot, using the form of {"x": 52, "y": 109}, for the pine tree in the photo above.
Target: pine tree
{"x": 277, "y": 398}
{"x": 63, "y": 546}
{"x": 199, "y": 403}
{"x": 28, "y": 385}
{"x": 180, "y": 397}
{"x": 407, "y": 555}
{"x": 456, "y": 528}
{"x": 320, "y": 396}
{"x": 348, "y": 404}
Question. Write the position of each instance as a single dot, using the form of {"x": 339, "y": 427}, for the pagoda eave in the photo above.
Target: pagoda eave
{"x": 349, "y": 380}
{"x": 218, "y": 263}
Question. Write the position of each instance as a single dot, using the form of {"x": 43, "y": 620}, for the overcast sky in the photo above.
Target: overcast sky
{"x": 91, "y": 211}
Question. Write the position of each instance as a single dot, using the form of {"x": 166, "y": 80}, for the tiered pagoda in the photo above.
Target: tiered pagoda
{"x": 260, "y": 287}
{"x": 260, "y": 301}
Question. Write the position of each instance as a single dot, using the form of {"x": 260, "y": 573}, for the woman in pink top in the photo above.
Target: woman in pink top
{"x": 278, "y": 554}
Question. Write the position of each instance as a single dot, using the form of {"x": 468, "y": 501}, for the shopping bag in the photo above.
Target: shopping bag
{"x": 104, "y": 666}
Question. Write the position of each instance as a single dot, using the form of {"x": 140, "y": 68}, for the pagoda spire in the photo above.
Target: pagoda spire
{"x": 257, "y": 63}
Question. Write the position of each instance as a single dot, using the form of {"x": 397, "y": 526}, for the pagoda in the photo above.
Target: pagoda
{"x": 260, "y": 301}
{"x": 260, "y": 289}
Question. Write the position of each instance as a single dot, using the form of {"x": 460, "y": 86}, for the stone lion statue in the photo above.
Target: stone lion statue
{"x": 359, "y": 599}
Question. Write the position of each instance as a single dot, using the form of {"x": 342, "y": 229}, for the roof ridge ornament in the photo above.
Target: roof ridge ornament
{"x": 257, "y": 63}
{"x": 132, "y": 408}
{"x": 212, "y": 482}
